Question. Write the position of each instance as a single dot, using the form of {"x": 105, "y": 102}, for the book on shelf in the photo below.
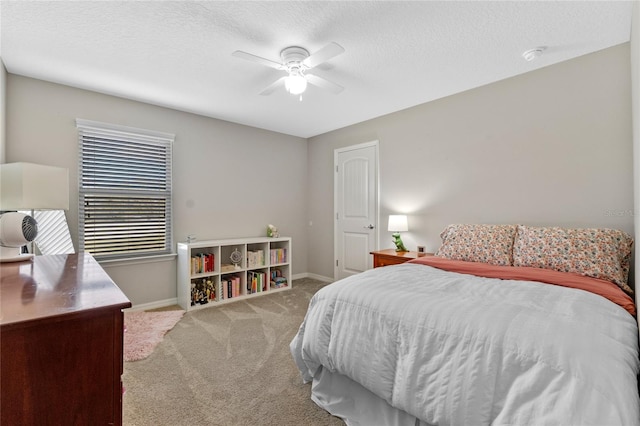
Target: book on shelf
{"x": 227, "y": 268}
{"x": 202, "y": 263}
{"x": 221, "y": 292}
{"x": 230, "y": 287}
{"x": 278, "y": 255}
{"x": 256, "y": 282}
{"x": 236, "y": 286}
{"x": 277, "y": 280}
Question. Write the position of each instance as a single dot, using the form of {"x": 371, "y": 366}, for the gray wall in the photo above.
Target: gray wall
{"x": 229, "y": 180}
{"x": 3, "y": 110}
{"x": 550, "y": 147}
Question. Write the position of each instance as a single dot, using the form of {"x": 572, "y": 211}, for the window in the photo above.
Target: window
{"x": 124, "y": 195}
{"x": 53, "y": 232}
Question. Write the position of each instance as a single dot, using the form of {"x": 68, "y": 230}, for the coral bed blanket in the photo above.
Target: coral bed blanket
{"x": 458, "y": 349}
{"x": 601, "y": 287}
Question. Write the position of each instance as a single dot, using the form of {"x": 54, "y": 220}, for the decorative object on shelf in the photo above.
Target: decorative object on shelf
{"x": 272, "y": 231}
{"x": 421, "y": 251}
{"x": 27, "y": 186}
{"x": 202, "y": 291}
{"x": 236, "y": 258}
{"x": 397, "y": 224}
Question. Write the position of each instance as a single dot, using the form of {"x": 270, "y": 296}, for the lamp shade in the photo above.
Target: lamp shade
{"x": 398, "y": 223}
{"x": 28, "y": 186}
{"x": 295, "y": 84}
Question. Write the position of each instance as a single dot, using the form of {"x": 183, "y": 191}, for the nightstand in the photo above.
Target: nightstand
{"x": 393, "y": 257}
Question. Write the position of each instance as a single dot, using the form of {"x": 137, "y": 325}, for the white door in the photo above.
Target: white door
{"x": 356, "y": 208}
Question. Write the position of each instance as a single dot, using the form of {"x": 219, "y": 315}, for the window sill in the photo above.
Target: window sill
{"x": 137, "y": 260}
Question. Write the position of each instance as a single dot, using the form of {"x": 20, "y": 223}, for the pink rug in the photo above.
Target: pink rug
{"x": 144, "y": 330}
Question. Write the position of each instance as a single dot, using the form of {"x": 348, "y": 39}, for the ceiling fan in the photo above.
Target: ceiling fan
{"x": 296, "y": 61}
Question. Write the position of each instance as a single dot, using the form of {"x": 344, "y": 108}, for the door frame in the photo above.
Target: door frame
{"x": 375, "y": 144}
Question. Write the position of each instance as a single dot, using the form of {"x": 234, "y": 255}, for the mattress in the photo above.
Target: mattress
{"x": 441, "y": 347}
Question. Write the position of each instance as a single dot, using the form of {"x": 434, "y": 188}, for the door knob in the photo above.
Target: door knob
{"x": 369, "y": 226}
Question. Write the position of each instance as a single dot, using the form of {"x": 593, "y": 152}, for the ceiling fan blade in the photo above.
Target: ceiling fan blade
{"x": 323, "y": 83}
{"x": 258, "y": 59}
{"x": 273, "y": 86}
{"x": 323, "y": 55}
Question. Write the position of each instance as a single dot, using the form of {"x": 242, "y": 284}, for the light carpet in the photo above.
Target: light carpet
{"x": 227, "y": 365}
{"x": 145, "y": 330}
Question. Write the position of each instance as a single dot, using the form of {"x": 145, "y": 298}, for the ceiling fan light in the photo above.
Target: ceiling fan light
{"x": 295, "y": 84}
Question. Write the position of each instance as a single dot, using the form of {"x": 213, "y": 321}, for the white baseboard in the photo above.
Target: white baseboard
{"x": 153, "y": 305}
{"x": 314, "y": 276}
{"x": 170, "y": 302}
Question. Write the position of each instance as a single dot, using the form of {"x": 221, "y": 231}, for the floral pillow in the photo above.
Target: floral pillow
{"x": 491, "y": 244}
{"x": 598, "y": 253}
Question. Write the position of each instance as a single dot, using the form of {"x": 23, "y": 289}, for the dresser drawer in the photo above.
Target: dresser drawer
{"x": 391, "y": 257}
{"x": 388, "y": 260}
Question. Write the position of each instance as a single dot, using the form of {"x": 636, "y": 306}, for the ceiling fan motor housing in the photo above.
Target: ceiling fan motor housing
{"x": 293, "y": 56}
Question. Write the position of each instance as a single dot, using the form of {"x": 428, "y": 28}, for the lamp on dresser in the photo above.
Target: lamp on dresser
{"x": 398, "y": 223}
{"x": 27, "y": 187}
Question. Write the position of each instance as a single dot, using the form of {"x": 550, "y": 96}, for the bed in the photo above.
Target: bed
{"x": 507, "y": 324}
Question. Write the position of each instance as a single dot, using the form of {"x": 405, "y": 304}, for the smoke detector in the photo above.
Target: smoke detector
{"x": 534, "y": 53}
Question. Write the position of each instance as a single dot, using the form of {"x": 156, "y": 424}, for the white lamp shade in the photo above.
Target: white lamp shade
{"x": 398, "y": 223}
{"x": 28, "y": 186}
{"x": 295, "y": 84}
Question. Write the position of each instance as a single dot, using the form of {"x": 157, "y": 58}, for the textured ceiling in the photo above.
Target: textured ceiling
{"x": 397, "y": 54}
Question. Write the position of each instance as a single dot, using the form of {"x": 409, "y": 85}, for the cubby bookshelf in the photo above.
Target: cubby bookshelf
{"x": 214, "y": 272}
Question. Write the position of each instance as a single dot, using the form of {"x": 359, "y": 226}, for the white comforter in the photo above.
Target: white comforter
{"x": 455, "y": 349}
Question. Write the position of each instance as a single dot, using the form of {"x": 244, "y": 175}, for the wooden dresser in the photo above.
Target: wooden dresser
{"x": 61, "y": 342}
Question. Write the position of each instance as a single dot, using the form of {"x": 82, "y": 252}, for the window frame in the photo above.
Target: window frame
{"x": 90, "y": 133}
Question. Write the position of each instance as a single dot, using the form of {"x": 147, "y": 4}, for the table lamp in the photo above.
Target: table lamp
{"x": 397, "y": 224}
{"x": 27, "y": 186}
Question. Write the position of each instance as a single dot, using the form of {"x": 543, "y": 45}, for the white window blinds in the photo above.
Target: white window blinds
{"x": 53, "y": 232}
{"x": 124, "y": 191}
